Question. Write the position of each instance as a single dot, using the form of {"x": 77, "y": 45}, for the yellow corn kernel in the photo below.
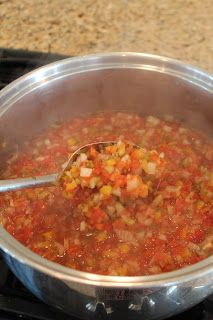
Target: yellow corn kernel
{"x": 31, "y": 195}
{"x": 121, "y": 149}
{"x": 41, "y": 195}
{"x": 71, "y": 186}
{"x": 106, "y": 190}
{"x": 47, "y": 235}
{"x": 179, "y": 183}
{"x": 111, "y": 149}
{"x": 101, "y": 236}
{"x": 122, "y": 271}
{"x": 185, "y": 162}
{"x": 144, "y": 190}
{"x": 90, "y": 261}
{"x": 144, "y": 165}
{"x": 157, "y": 215}
{"x": 110, "y": 162}
{"x": 71, "y": 141}
{"x": 124, "y": 247}
{"x": 85, "y": 208}
{"x": 186, "y": 253}
{"x": 74, "y": 171}
{"x": 200, "y": 204}
{"x": 67, "y": 195}
{"x": 109, "y": 169}
{"x": 138, "y": 153}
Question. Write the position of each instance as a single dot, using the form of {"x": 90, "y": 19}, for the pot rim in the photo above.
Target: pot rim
{"x": 25, "y": 84}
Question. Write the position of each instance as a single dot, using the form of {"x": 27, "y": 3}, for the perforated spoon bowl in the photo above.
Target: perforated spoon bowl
{"x": 47, "y": 180}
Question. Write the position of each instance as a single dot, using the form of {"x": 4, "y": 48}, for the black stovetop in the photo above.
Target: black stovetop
{"x": 16, "y": 302}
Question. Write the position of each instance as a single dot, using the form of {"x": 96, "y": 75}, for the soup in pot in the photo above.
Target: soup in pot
{"x": 136, "y": 214}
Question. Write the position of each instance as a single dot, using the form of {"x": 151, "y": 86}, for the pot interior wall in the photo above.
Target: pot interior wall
{"x": 133, "y": 90}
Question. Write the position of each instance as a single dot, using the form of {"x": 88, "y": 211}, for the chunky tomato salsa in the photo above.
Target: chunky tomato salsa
{"x": 125, "y": 211}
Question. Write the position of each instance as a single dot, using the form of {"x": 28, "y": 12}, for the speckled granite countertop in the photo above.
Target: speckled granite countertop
{"x": 181, "y": 29}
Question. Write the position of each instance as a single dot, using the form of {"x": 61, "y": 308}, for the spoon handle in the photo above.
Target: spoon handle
{"x": 22, "y": 183}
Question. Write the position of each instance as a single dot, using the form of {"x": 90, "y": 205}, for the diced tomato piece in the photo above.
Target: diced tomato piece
{"x": 208, "y": 221}
{"x": 197, "y": 236}
{"x": 179, "y": 205}
{"x": 119, "y": 180}
{"x": 73, "y": 250}
{"x": 97, "y": 216}
{"x": 24, "y": 235}
{"x": 10, "y": 229}
{"x": 97, "y": 170}
{"x": 99, "y": 226}
{"x": 135, "y": 164}
{"x": 163, "y": 259}
{"x": 105, "y": 176}
{"x": 93, "y": 153}
{"x": 118, "y": 224}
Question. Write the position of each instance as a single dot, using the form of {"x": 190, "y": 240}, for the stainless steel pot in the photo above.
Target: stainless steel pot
{"x": 117, "y": 81}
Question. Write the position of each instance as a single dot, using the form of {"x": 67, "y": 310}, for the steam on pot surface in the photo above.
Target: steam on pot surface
{"x": 122, "y": 211}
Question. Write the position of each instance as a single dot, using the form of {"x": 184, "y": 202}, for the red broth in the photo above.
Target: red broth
{"x": 170, "y": 228}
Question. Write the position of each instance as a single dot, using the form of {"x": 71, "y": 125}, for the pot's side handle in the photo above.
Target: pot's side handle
{"x": 22, "y": 183}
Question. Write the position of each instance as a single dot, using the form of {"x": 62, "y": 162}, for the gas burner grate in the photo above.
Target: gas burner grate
{"x": 17, "y": 302}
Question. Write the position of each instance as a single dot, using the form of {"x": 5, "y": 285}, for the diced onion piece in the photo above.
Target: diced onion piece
{"x": 153, "y": 120}
{"x": 60, "y": 248}
{"x": 109, "y": 169}
{"x": 125, "y": 158}
{"x": 167, "y": 128}
{"x": 85, "y": 172}
{"x": 116, "y": 192}
{"x": 162, "y": 237}
{"x": 126, "y": 236}
{"x": 82, "y": 225}
{"x": 96, "y": 198}
{"x": 93, "y": 182}
{"x": 83, "y": 157}
{"x": 119, "y": 207}
{"x": 173, "y": 189}
{"x": 85, "y": 130}
{"x": 158, "y": 200}
{"x": 66, "y": 243}
{"x": 151, "y": 167}
{"x": 76, "y": 241}
{"x": 140, "y": 235}
{"x": 185, "y": 141}
{"x": 170, "y": 210}
{"x": 129, "y": 221}
{"x": 121, "y": 148}
{"x": 47, "y": 142}
{"x": 182, "y": 130}
{"x": 110, "y": 210}
{"x": 132, "y": 183}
